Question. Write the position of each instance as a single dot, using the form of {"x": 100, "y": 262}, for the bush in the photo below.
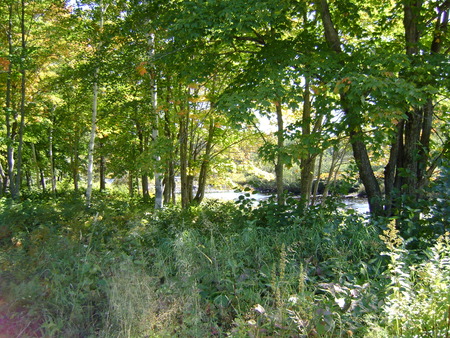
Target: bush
{"x": 418, "y": 298}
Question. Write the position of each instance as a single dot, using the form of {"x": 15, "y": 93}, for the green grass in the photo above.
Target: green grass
{"x": 119, "y": 269}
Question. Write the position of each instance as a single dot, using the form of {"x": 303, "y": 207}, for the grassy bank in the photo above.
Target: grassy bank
{"x": 119, "y": 269}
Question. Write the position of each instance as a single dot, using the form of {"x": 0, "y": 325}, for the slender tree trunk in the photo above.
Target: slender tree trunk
{"x": 307, "y": 163}
{"x": 75, "y": 164}
{"x": 279, "y": 166}
{"x": 36, "y": 164}
{"x": 102, "y": 168}
{"x": 22, "y": 102}
{"x": 155, "y": 131}
{"x": 130, "y": 184}
{"x": 169, "y": 179}
{"x": 390, "y": 171}
{"x": 3, "y": 181}
{"x": 50, "y": 155}
{"x": 204, "y": 168}
{"x": 317, "y": 182}
{"x": 42, "y": 180}
{"x": 93, "y": 132}
{"x": 143, "y": 141}
{"x": 334, "y": 160}
{"x": 145, "y": 190}
{"x": 183, "y": 140}
{"x": 10, "y": 125}
{"x": 354, "y": 130}
{"x": 29, "y": 179}
{"x": 366, "y": 173}
{"x": 90, "y": 169}
{"x": 102, "y": 173}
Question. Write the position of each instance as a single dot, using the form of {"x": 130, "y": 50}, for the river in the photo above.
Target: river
{"x": 358, "y": 204}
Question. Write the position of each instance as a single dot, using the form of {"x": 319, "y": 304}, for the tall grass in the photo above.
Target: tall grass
{"x": 122, "y": 270}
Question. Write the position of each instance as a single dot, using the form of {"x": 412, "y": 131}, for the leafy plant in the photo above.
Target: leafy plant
{"x": 418, "y": 296}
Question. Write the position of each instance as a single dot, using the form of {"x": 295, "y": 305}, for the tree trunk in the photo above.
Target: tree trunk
{"x": 75, "y": 164}
{"x": 390, "y": 171}
{"x": 90, "y": 171}
{"x": 334, "y": 161}
{"x": 143, "y": 141}
{"x": 145, "y": 190}
{"x": 102, "y": 173}
{"x": 10, "y": 125}
{"x": 155, "y": 131}
{"x": 42, "y": 180}
{"x": 202, "y": 179}
{"x": 36, "y": 164}
{"x": 3, "y": 181}
{"x": 408, "y": 168}
{"x": 307, "y": 163}
{"x": 279, "y": 166}
{"x": 130, "y": 184}
{"x": 50, "y": 155}
{"x": 169, "y": 177}
{"x": 183, "y": 140}
{"x": 366, "y": 174}
{"x": 354, "y": 130}
{"x": 18, "y": 182}
{"x": 317, "y": 182}
{"x": 102, "y": 167}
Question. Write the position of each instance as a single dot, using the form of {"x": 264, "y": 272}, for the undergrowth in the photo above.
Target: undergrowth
{"x": 119, "y": 269}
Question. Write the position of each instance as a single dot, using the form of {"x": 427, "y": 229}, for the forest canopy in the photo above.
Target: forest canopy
{"x": 164, "y": 90}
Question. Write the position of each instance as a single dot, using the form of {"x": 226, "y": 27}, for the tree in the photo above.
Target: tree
{"x": 409, "y": 167}
{"x": 27, "y": 58}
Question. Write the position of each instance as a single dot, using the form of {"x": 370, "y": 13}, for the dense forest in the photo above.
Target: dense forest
{"x": 119, "y": 116}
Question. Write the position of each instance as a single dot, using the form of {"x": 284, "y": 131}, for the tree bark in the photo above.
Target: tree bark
{"x": 16, "y": 193}
{"x": 410, "y": 153}
{"x": 143, "y": 143}
{"x": 169, "y": 178}
{"x": 3, "y": 181}
{"x": 50, "y": 154}
{"x": 102, "y": 169}
{"x": 130, "y": 184}
{"x": 317, "y": 182}
{"x": 279, "y": 166}
{"x": 75, "y": 163}
{"x": 354, "y": 130}
{"x": 307, "y": 163}
{"x": 90, "y": 169}
{"x": 145, "y": 190}
{"x": 390, "y": 171}
{"x": 10, "y": 116}
{"x": 202, "y": 179}
{"x": 36, "y": 164}
{"x": 155, "y": 132}
{"x": 183, "y": 140}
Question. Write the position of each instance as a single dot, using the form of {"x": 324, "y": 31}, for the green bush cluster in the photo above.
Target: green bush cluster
{"x": 121, "y": 269}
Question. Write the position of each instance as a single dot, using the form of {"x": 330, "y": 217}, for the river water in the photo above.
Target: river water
{"x": 358, "y": 204}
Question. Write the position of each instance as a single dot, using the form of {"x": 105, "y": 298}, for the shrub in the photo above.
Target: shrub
{"x": 418, "y": 299}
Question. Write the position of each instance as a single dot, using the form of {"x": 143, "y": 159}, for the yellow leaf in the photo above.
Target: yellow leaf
{"x": 4, "y": 63}
{"x": 141, "y": 69}
{"x": 193, "y": 85}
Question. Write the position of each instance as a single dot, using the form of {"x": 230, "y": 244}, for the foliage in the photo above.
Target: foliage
{"x": 425, "y": 219}
{"x": 200, "y": 271}
{"x": 418, "y": 297}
